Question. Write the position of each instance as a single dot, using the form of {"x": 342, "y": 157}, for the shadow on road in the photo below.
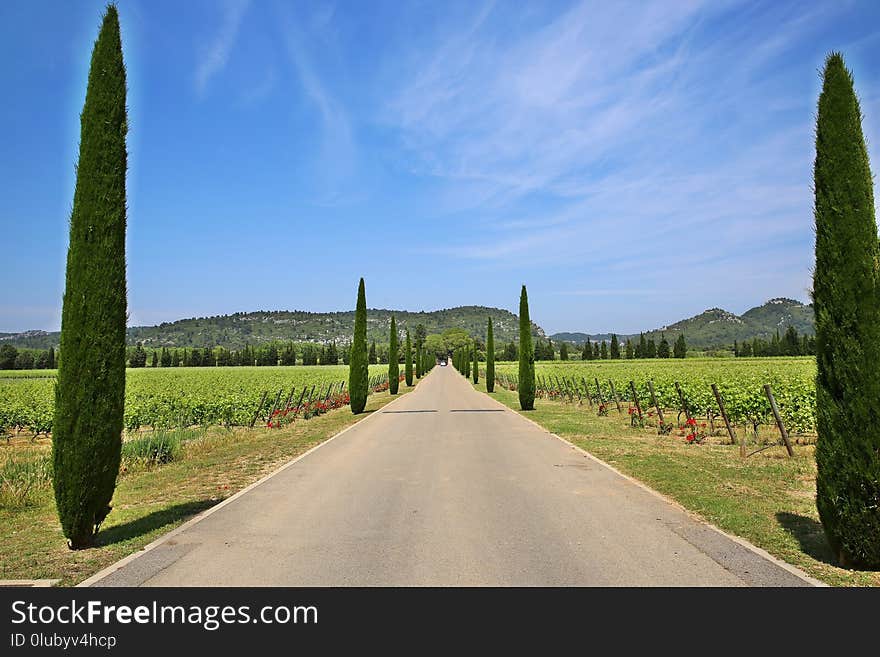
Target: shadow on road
{"x": 809, "y": 534}
{"x": 151, "y": 521}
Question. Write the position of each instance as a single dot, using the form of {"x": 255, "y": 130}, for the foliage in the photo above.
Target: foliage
{"x": 393, "y": 365}
{"x": 90, "y": 393}
{"x": 846, "y": 297}
{"x": 740, "y": 382}
{"x": 358, "y": 377}
{"x": 526, "y": 385}
{"x": 407, "y": 360}
{"x": 490, "y": 357}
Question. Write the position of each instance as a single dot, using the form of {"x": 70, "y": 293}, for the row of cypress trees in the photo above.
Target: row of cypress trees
{"x": 466, "y": 358}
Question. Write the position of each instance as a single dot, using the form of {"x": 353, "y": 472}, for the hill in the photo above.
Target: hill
{"x": 255, "y": 328}
{"x": 718, "y": 328}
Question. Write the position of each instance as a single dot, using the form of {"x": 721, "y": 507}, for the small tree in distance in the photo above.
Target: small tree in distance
{"x": 476, "y": 365}
{"x": 358, "y": 368}
{"x": 393, "y": 366}
{"x": 526, "y": 386}
{"x": 408, "y": 366}
{"x": 490, "y": 358}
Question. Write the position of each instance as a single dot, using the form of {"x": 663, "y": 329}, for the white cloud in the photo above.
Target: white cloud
{"x": 214, "y": 55}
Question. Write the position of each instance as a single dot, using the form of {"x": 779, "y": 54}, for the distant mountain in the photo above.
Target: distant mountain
{"x": 255, "y": 328}
{"x": 717, "y": 328}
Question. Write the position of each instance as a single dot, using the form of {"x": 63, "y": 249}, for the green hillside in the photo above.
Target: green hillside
{"x": 255, "y": 328}
{"x": 718, "y": 328}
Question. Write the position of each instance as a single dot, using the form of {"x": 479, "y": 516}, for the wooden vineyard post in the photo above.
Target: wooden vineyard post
{"x": 329, "y": 388}
{"x": 683, "y": 402}
{"x": 587, "y": 392}
{"x": 275, "y": 405}
{"x": 577, "y": 391}
{"x": 632, "y": 387}
{"x": 599, "y": 391}
{"x": 769, "y": 392}
{"x": 289, "y": 397}
{"x": 730, "y": 432}
{"x": 311, "y": 392}
{"x": 654, "y": 402}
{"x": 259, "y": 408}
{"x": 614, "y": 394}
{"x": 299, "y": 403}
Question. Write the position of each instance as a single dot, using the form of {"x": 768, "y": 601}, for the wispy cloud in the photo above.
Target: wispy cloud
{"x": 214, "y": 55}
{"x": 337, "y": 158}
{"x": 626, "y": 135}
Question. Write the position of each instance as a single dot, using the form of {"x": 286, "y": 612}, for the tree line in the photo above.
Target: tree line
{"x": 790, "y": 344}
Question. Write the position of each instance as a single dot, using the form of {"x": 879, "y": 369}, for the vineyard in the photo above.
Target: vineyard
{"x": 740, "y": 385}
{"x": 175, "y": 398}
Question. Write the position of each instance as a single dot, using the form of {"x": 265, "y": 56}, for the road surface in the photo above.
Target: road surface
{"x": 446, "y": 487}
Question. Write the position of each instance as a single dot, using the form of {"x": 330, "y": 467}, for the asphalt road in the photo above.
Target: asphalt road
{"x": 446, "y": 487}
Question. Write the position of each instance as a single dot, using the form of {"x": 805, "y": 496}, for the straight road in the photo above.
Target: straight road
{"x": 447, "y": 487}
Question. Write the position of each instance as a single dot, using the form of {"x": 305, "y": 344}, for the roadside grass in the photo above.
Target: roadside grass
{"x": 767, "y": 498}
{"x": 163, "y": 481}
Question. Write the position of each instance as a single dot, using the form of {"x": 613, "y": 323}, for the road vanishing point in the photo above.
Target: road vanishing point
{"x": 447, "y": 487}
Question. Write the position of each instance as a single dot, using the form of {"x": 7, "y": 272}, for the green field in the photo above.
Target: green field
{"x": 179, "y": 397}
{"x": 740, "y": 382}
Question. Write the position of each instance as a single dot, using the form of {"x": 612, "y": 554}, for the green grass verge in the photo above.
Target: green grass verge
{"x": 152, "y": 499}
{"x": 768, "y": 498}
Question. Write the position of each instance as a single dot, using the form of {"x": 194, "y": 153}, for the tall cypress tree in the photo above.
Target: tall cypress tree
{"x": 393, "y": 367}
{"x": 90, "y": 389}
{"x": 358, "y": 368}
{"x": 526, "y": 384}
{"x": 615, "y": 347}
{"x": 476, "y": 365}
{"x": 847, "y": 312}
{"x": 407, "y": 354}
{"x": 419, "y": 362}
{"x": 490, "y": 358}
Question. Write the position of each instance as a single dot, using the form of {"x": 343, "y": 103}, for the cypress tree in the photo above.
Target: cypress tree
{"x": 490, "y": 358}
{"x": 563, "y": 351}
{"x": 615, "y": 347}
{"x": 358, "y": 368}
{"x": 393, "y": 366}
{"x": 663, "y": 348}
{"x": 371, "y": 356}
{"x": 476, "y": 365}
{"x": 679, "y": 350}
{"x": 847, "y": 313}
{"x": 604, "y": 350}
{"x": 629, "y": 349}
{"x": 51, "y": 358}
{"x": 526, "y": 355}
{"x": 407, "y": 354}
{"x": 90, "y": 389}
{"x": 419, "y": 362}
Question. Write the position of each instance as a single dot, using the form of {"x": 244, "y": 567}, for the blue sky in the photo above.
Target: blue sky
{"x": 632, "y": 163}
